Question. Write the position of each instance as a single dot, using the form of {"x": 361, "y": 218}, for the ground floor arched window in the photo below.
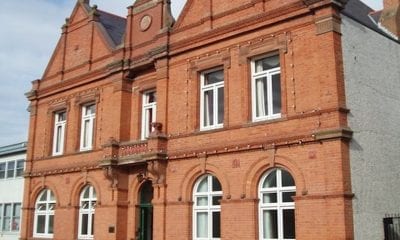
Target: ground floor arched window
{"x": 44, "y": 214}
{"x": 276, "y": 206}
{"x": 87, "y": 205}
{"x": 207, "y": 194}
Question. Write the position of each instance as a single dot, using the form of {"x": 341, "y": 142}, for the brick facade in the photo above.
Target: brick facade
{"x": 309, "y": 140}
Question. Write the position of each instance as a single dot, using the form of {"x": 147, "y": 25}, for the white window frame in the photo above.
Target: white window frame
{"x": 209, "y": 209}
{"x": 279, "y": 206}
{"x": 59, "y": 128}
{"x": 267, "y": 74}
{"x": 12, "y": 217}
{"x": 146, "y": 106}
{"x": 90, "y": 131}
{"x": 5, "y": 170}
{"x": 213, "y": 87}
{"x": 50, "y": 203}
{"x": 90, "y": 211}
{"x": 17, "y": 168}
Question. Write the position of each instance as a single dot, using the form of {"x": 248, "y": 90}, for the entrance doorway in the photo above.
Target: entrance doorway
{"x": 146, "y": 211}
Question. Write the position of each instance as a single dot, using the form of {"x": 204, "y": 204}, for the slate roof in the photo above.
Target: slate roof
{"x": 114, "y": 25}
{"x": 360, "y": 12}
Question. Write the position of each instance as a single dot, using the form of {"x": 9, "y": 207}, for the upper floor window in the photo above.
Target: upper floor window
{"x": 212, "y": 99}
{"x": 207, "y": 194}
{"x": 60, "y": 120}
{"x": 391, "y": 228}
{"x": 87, "y": 126}
{"x": 11, "y": 169}
{"x": 276, "y": 207}
{"x": 86, "y": 212}
{"x": 266, "y": 88}
{"x": 148, "y": 113}
{"x": 10, "y": 217}
{"x": 44, "y": 214}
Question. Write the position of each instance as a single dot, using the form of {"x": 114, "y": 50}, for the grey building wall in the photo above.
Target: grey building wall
{"x": 372, "y": 80}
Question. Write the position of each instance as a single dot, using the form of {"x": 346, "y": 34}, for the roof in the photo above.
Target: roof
{"x": 114, "y": 25}
{"x": 360, "y": 12}
{"x": 13, "y": 148}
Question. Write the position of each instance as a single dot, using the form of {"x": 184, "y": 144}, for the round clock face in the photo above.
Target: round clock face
{"x": 145, "y": 22}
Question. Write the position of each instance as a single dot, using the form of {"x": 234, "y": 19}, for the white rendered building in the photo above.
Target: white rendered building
{"x": 12, "y": 163}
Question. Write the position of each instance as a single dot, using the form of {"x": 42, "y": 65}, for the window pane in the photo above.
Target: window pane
{"x": 287, "y": 179}
{"x": 287, "y": 196}
{"x": 269, "y": 198}
{"x": 267, "y": 63}
{"x": 40, "y": 224}
{"x": 289, "y": 223}
{"x": 151, "y": 97}
{"x": 86, "y": 192}
{"x": 20, "y": 168}
{"x": 216, "y": 185}
{"x": 216, "y": 224}
{"x": 270, "y": 181}
{"x": 51, "y": 196}
{"x": 84, "y": 225}
{"x": 17, "y": 210}
{"x": 86, "y": 133}
{"x": 15, "y": 224}
{"x": 270, "y": 221}
{"x": 10, "y": 169}
{"x": 202, "y": 201}
{"x": 214, "y": 77}
{"x": 201, "y": 225}
{"x": 89, "y": 109}
{"x": 208, "y": 108}
{"x": 276, "y": 93}
{"x": 92, "y": 230}
{"x": 203, "y": 185}
{"x": 2, "y": 170}
{"x": 149, "y": 119}
{"x": 43, "y": 197}
{"x": 261, "y": 97}
{"x": 7, "y": 210}
{"x": 220, "y": 105}
{"x": 58, "y": 139}
{"x": 216, "y": 200}
{"x": 51, "y": 223}
{"x": 7, "y": 217}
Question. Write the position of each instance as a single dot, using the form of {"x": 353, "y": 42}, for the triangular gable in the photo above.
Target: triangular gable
{"x": 81, "y": 43}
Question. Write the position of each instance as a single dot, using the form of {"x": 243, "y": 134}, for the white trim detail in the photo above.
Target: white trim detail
{"x": 60, "y": 120}
{"x": 87, "y": 205}
{"x": 149, "y": 111}
{"x": 209, "y": 112}
{"x": 87, "y": 126}
{"x": 44, "y": 209}
{"x": 262, "y": 91}
{"x": 272, "y": 200}
{"x": 204, "y": 205}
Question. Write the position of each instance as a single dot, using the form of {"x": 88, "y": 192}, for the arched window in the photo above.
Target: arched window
{"x": 207, "y": 194}
{"x": 44, "y": 214}
{"x": 87, "y": 204}
{"x": 276, "y": 207}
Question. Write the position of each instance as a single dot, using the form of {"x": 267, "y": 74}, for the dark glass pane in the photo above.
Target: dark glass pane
{"x": 40, "y": 224}
{"x": 2, "y": 170}
{"x": 208, "y": 108}
{"x": 10, "y": 169}
{"x": 287, "y": 179}
{"x": 7, "y": 210}
{"x": 84, "y": 224}
{"x": 267, "y": 63}
{"x": 214, "y": 77}
{"x": 51, "y": 224}
{"x": 276, "y": 93}
{"x": 61, "y": 116}
{"x": 151, "y": 97}
{"x": 20, "y": 168}
{"x": 86, "y": 192}
{"x": 216, "y": 185}
{"x": 146, "y": 193}
{"x": 287, "y": 196}
{"x": 220, "y": 105}
{"x": 270, "y": 181}
{"x": 270, "y": 223}
{"x": 216, "y": 200}
{"x": 216, "y": 224}
{"x": 58, "y": 139}
{"x": 269, "y": 198}
{"x": 92, "y": 232}
{"x": 261, "y": 89}
{"x": 17, "y": 210}
{"x": 289, "y": 230}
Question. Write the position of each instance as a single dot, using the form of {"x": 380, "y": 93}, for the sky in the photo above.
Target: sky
{"x": 28, "y": 35}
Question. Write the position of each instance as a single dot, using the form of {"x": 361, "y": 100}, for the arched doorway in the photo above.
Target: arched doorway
{"x": 145, "y": 230}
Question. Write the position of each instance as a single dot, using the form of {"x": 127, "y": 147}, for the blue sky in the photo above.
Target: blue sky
{"x": 30, "y": 30}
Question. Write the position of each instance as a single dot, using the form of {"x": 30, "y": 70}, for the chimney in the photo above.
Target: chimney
{"x": 390, "y": 17}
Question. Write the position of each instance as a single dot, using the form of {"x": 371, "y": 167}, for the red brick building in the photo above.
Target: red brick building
{"x": 230, "y": 123}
